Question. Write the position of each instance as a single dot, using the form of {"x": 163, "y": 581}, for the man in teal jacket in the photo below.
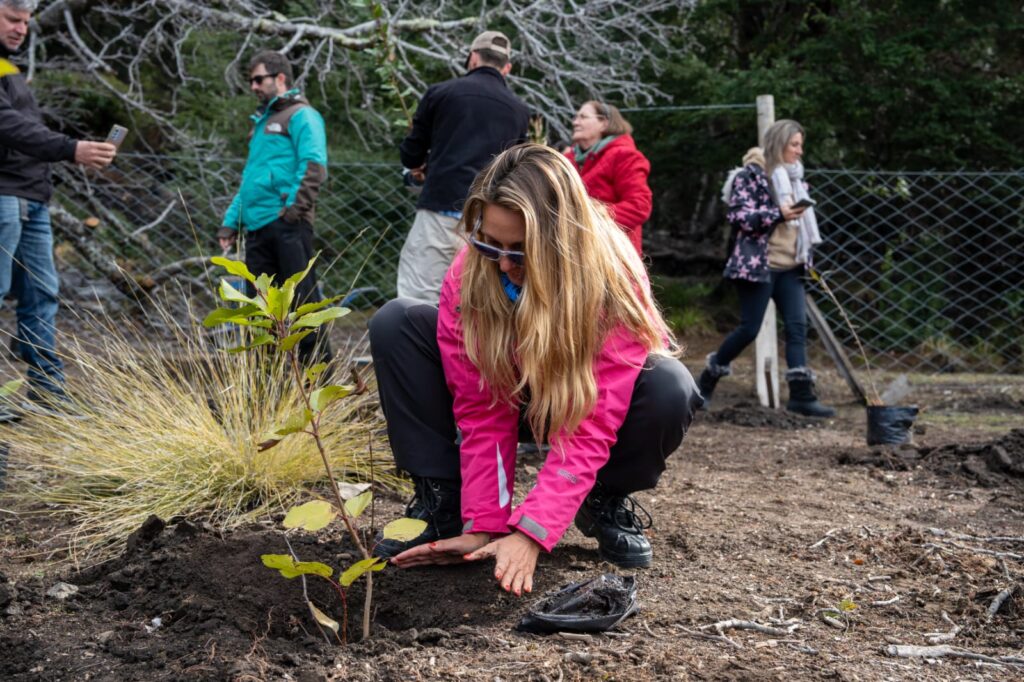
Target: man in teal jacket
{"x": 276, "y": 203}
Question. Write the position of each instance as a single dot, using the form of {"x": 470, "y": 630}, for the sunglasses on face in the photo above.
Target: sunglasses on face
{"x": 258, "y": 80}
{"x": 493, "y": 253}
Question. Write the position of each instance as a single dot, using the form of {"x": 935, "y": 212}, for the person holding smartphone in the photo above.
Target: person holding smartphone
{"x": 774, "y": 231}
{"x": 27, "y": 148}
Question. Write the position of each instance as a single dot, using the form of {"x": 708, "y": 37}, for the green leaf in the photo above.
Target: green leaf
{"x": 322, "y": 397}
{"x": 263, "y": 283}
{"x": 318, "y": 318}
{"x": 404, "y": 529}
{"x": 353, "y": 572}
{"x": 261, "y": 340}
{"x": 313, "y": 307}
{"x": 322, "y": 618}
{"x": 277, "y": 303}
{"x": 253, "y": 322}
{"x": 231, "y": 315}
{"x": 235, "y": 267}
{"x": 229, "y": 293}
{"x": 316, "y": 370}
{"x": 294, "y": 280}
{"x": 294, "y": 424}
{"x": 290, "y": 568}
{"x": 358, "y": 504}
{"x": 310, "y": 516}
{"x": 11, "y": 387}
{"x": 288, "y": 342}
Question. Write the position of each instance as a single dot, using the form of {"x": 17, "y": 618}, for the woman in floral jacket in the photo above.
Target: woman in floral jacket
{"x": 769, "y": 255}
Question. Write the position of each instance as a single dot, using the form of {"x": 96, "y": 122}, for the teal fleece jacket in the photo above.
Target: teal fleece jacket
{"x": 286, "y": 167}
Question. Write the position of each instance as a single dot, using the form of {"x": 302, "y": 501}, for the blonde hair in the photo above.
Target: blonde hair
{"x": 776, "y": 138}
{"x": 754, "y": 156}
{"x": 617, "y": 123}
{"x": 583, "y": 279}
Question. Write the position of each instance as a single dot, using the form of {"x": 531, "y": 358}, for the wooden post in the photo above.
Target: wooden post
{"x": 766, "y": 347}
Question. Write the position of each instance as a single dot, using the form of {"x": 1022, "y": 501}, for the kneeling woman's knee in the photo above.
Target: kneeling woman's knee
{"x": 674, "y": 392}
{"x": 397, "y": 318}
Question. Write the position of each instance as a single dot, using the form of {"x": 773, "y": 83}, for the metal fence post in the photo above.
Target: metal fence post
{"x": 766, "y": 347}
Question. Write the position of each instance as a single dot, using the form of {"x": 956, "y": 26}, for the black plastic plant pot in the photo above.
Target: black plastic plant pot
{"x": 890, "y": 424}
{"x": 592, "y": 605}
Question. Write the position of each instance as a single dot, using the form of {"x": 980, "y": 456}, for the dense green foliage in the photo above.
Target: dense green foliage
{"x": 905, "y": 84}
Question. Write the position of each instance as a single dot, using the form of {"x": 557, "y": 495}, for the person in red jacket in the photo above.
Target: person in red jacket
{"x": 613, "y": 169}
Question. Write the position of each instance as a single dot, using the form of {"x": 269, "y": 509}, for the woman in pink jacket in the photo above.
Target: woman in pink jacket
{"x": 545, "y": 320}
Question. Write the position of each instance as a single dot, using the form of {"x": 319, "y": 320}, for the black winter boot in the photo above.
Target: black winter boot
{"x": 709, "y": 378}
{"x": 436, "y": 501}
{"x": 802, "y": 399}
{"x": 615, "y": 522}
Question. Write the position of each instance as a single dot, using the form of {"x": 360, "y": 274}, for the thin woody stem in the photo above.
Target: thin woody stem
{"x": 860, "y": 346}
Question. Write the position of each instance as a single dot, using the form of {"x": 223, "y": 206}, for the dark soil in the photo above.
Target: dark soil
{"x": 994, "y": 463}
{"x": 752, "y": 415}
{"x": 771, "y": 523}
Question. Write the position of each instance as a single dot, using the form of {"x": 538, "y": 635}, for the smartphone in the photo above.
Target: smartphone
{"x": 804, "y": 203}
{"x": 117, "y": 135}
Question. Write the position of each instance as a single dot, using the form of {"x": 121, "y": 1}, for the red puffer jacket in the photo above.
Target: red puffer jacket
{"x": 617, "y": 176}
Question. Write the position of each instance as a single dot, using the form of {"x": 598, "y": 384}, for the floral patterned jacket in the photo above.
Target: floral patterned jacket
{"x": 753, "y": 215}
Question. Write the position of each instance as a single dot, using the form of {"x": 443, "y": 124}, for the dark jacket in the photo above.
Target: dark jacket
{"x": 461, "y": 124}
{"x": 753, "y": 215}
{"x": 27, "y": 146}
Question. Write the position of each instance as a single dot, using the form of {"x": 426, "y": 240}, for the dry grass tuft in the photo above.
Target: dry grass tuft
{"x": 170, "y": 427}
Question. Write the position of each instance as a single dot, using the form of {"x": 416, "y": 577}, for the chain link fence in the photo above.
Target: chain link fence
{"x": 927, "y": 265}
{"x": 159, "y": 215}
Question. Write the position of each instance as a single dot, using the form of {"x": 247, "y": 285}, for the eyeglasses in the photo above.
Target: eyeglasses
{"x": 258, "y": 80}
{"x": 493, "y": 252}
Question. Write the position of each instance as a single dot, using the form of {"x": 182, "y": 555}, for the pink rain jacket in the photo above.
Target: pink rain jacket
{"x": 490, "y": 434}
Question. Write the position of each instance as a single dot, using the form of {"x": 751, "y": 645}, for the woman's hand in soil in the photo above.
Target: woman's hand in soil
{"x": 515, "y": 558}
{"x": 450, "y": 551}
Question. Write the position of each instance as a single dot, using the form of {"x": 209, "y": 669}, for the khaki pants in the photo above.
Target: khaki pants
{"x": 426, "y": 255}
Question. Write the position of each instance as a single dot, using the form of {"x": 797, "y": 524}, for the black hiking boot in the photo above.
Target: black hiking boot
{"x": 802, "y": 399}
{"x": 709, "y": 378}
{"x": 436, "y": 501}
{"x": 619, "y": 528}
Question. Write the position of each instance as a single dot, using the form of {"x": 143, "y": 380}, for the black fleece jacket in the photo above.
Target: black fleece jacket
{"x": 459, "y": 126}
{"x": 27, "y": 146}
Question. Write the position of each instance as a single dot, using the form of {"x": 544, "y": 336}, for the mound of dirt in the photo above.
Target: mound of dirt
{"x": 991, "y": 464}
{"x": 756, "y": 416}
{"x": 150, "y": 606}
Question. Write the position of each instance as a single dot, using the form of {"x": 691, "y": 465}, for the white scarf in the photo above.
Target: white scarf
{"x": 788, "y": 183}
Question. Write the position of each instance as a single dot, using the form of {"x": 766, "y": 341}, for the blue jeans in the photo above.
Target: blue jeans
{"x": 28, "y": 272}
{"x": 786, "y": 288}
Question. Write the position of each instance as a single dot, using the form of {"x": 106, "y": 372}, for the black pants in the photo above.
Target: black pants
{"x": 786, "y": 288}
{"x": 421, "y": 424}
{"x": 281, "y": 249}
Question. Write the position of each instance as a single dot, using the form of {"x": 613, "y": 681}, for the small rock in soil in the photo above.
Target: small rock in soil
{"x": 430, "y": 635}
{"x": 62, "y": 591}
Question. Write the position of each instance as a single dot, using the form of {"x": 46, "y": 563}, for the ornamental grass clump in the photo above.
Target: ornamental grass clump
{"x": 173, "y": 428}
